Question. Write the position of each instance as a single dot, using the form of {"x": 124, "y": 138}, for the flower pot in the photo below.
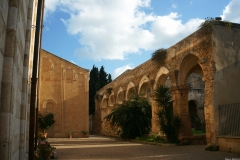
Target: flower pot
{"x": 45, "y": 134}
{"x": 85, "y": 136}
{"x": 69, "y": 136}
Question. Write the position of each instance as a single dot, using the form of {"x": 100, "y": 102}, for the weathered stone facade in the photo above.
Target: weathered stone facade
{"x": 16, "y": 58}
{"x": 212, "y": 55}
{"x": 63, "y": 91}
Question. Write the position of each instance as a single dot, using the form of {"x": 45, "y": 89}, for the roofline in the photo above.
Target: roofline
{"x": 65, "y": 60}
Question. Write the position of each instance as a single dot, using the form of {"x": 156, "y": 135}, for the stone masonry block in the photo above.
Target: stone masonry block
{"x": 14, "y": 3}
{"x": 4, "y": 11}
{"x": 6, "y": 97}
{"x": 10, "y": 43}
{"x": 4, "y": 147}
{"x": 4, "y": 127}
{"x": 12, "y": 19}
{"x": 7, "y": 70}
{"x": 2, "y": 34}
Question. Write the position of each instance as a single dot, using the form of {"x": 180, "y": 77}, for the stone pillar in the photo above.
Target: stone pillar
{"x": 180, "y": 108}
{"x": 7, "y": 86}
{"x": 23, "y": 114}
{"x": 155, "y": 124}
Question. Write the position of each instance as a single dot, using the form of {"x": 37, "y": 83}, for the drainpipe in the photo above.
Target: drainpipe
{"x": 33, "y": 99}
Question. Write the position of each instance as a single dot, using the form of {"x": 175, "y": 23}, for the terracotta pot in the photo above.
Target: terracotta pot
{"x": 45, "y": 134}
{"x": 85, "y": 135}
{"x": 69, "y": 136}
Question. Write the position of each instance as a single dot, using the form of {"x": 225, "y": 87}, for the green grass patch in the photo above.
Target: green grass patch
{"x": 196, "y": 132}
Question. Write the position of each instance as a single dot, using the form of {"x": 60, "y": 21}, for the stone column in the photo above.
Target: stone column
{"x": 155, "y": 124}
{"x": 180, "y": 108}
{"x": 7, "y": 86}
{"x": 23, "y": 115}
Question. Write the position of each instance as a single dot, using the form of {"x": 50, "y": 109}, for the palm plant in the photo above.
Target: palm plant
{"x": 169, "y": 123}
{"x": 133, "y": 117}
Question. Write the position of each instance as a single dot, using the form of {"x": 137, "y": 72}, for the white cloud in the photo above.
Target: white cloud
{"x": 50, "y": 6}
{"x": 120, "y": 70}
{"x": 232, "y": 12}
{"x": 113, "y": 29}
{"x": 168, "y": 29}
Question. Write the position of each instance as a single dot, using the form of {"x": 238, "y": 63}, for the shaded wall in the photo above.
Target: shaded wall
{"x": 16, "y": 55}
{"x": 64, "y": 92}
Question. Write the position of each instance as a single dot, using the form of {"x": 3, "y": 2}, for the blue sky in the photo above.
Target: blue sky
{"x": 122, "y": 34}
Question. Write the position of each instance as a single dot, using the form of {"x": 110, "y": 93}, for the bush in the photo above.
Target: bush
{"x": 133, "y": 117}
{"x": 44, "y": 151}
{"x": 45, "y": 122}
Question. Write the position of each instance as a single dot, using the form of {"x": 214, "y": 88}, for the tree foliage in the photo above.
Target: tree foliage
{"x": 133, "y": 117}
{"x": 93, "y": 88}
{"x": 98, "y": 79}
{"x": 103, "y": 77}
{"x": 169, "y": 123}
{"x": 109, "y": 79}
{"x": 45, "y": 121}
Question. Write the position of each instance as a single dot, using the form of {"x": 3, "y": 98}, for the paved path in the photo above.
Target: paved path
{"x": 105, "y": 148}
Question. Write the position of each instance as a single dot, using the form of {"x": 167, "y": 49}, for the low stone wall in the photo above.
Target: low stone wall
{"x": 229, "y": 144}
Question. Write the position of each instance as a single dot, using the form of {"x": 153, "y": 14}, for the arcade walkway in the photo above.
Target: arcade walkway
{"x": 105, "y": 148}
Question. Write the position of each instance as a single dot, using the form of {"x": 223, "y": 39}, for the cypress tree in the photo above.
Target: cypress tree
{"x": 93, "y": 88}
{"x": 109, "y": 79}
{"x": 102, "y": 77}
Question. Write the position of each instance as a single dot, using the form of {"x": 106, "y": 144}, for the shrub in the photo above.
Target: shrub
{"x": 133, "y": 117}
{"x": 45, "y": 122}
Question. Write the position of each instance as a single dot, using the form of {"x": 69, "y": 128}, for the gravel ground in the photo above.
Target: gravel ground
{"x": 107, "y": 148}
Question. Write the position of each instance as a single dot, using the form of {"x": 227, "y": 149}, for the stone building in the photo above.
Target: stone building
{"x": 63, "y": 91}
{"x": 211, "y": 54}
{"x": 17, "y": 41}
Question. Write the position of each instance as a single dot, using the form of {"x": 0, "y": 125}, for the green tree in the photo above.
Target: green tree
{"x": 133, "y": 117}
{"x": 102, "y": 77}
{"x": 93, "y": 88}
{"x": 45, "y": 121}
{"x": 98, "y": 79}
{"x": 109, "y": 79}
{"x": 170, "y": 124}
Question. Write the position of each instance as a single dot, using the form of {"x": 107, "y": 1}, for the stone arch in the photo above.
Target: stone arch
{"x": 189, "y": 64}
{"x": 49, "y": 105}
{"x": 130, "y": 90}
{"x": 111, "y": 100}
{"x": 161, "y": 77}
{"x": 144, "y": 86}
{"x": 104, "y": 102}
{"x": 120, "y": 96}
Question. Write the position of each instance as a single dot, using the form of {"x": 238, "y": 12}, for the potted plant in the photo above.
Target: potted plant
{"x": 45, "y": 122}
{"x": 85, "y": 134}
{"x": 69, "y": 134}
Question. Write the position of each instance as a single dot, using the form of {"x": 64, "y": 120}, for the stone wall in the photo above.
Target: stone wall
{"x": 64, "y": 92}
{"x": 209, "y": 52}
{"x": 16, "y": 39}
